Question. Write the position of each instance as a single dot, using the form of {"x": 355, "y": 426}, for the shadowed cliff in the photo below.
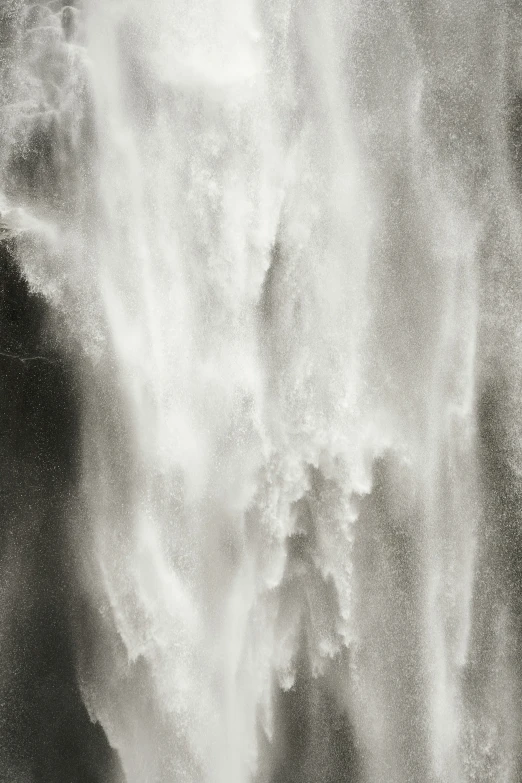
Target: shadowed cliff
{"x": 46, "y": 735}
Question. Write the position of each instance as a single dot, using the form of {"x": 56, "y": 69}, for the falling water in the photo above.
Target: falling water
{"x": 261, "y": 442}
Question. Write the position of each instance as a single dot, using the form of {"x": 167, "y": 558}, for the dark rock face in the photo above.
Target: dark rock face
{"x": 45, "y": 732}
{"x": 315, "y": 737}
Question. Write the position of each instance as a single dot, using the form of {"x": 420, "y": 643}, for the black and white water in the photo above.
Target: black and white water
{"x": 261, "y": 375}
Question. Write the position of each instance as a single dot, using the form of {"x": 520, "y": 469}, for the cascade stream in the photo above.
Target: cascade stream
{"x": 261, "y": 373}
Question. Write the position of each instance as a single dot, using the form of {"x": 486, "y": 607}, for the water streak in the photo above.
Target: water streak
{"x": 279, "y": 243}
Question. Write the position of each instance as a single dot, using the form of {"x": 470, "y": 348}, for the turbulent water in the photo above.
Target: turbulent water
{"x": 260, "y": 368}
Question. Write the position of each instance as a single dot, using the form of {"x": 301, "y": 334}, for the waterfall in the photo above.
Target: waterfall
{"x": 261, "y": 357}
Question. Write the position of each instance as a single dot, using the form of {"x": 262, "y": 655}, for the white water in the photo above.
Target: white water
{"x": 282, "y": 241}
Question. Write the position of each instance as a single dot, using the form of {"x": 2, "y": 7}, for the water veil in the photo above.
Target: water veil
{"x": 276, "y": 245}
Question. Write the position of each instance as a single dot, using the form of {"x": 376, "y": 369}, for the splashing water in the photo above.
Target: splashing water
{"x": 281, "y": 242}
